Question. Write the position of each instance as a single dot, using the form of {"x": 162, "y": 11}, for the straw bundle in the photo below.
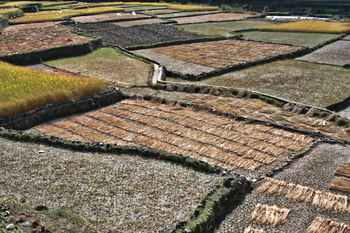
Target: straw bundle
{"x": 269, "y": 214}
{"x": 342, "y": 171}
{"x": 321, "y": 225}
{"x": 341, "y": 184}
{"x": 253, "y": 230}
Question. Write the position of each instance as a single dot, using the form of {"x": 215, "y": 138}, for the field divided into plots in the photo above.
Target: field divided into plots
{"x": 218, "y": 140}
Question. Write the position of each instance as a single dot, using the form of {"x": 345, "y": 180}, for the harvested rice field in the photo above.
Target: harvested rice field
{"x": 33, "y": 39}
{"x": 197, "y": 134}
{"x": 123, "y": 192}
{"x": 304, "y": 82}
{"x": 334, "y": 54}
{"x": 294, "y": 38}
{"x": 223, "y": 28}
{"x": 212, "y": 17}
{"x": 143, "y": 8}
{"x": 140, "y": 22}
{"x": 18, "y": 27}
{"x": 296, "y": 199}
{"x": 187, "y": 13}
{"x": 109, "y": 64}
{"x": 257, "y": 109}
{"x": 211, "y": 54}
{"x": 158, "y": 12}
{"x": 109, "y": 17}
{"x": 142, "y": 35}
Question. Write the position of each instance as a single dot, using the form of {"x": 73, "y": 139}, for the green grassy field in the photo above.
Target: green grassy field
{"x": 109, "y": 64}
{"x": 294, "y": 38}
{"x": 304, "y": 82}
{"x": 223, "y": 28}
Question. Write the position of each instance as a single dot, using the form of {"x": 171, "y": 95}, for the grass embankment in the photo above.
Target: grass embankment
{"x": 223, "y": 28}
{"x": 107, "y": 63}
{"x": 294, "y": 38}
{"x": 304, "y": 82}
{"x": 309, "y": 26}
{"x": 44, "y": 16}
{"x": 23, "y": 89}
{"x": 192, "y": 7}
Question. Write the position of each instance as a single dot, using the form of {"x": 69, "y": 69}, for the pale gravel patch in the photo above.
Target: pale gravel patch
{"x": 336, "y": 53}
{"x": 124, "y": 193}
{"x": 174, "y": 64}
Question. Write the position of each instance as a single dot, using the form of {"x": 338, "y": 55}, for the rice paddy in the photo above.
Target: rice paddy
{"x": 109, "y": 64}
{"x": 309, "y": 26}
{"x": 24, "y": 89}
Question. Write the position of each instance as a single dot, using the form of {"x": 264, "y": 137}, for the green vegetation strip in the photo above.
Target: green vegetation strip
{"x": 211, "y": 206}
{"x": 23, "y": 89}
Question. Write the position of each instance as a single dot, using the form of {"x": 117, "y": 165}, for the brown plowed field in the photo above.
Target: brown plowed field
{"x": 108, "y": 17}
{"x": 212, "y": 17}
{"x": 33, "y": 39}
{"x": 218, "y": 140}
{"x": 223, "y": 53}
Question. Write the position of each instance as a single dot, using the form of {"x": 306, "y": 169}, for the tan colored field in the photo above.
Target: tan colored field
{"x": 257, "y": 109}
{"x": 139, "y": 22}
{"x": 108, "y": 17}
{"x": 33, "y": 39}
{"x": 218, "y": 140}
{"x": 223, "y": 53}
{"x": 17, "y": 27}
{"x": 212, "y": 17}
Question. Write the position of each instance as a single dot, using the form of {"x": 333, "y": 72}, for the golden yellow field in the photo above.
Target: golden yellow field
{"x": 22, "y": 89}
{"x": 16, "y": 4}
{"x": 56, "y": 15}
{"x": 309, "y": 26}
{"x": 192, "y": 7}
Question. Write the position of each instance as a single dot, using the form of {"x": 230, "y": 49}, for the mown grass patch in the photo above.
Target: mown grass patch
{"x": 223, "y": 28}
{"x": 294, "y": 38}
{"x": 299, "y": 81}
{"x": 107, "y": 63}
{"x": 309, "y": 26}
{"x": 23, "y": 89}
{"x": 193, "y": 7}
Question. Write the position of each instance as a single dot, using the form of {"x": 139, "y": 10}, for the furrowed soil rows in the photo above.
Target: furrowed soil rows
{"x": 212, "y": 17}
{"x": 218, "y": 140}
{"x": 142, "y": 35}
{"x": 28, "y": 40}
{"x": 223, "y": 53}
{"x": 108, "y": 17}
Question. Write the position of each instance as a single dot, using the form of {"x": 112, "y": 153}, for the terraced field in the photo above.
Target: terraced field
{"x": 228, "y": 143}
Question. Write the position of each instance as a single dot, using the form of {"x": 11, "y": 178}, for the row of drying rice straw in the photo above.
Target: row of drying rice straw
{"x": 321, "y": 225}
{"x": 269, "y": 214}
{"x": 210, "y": 128}
{"x": 186, "y": 143}
{"x": 199, "y": 136}
{"x": 325, "y": 200}
{"x": 52, "y": 130}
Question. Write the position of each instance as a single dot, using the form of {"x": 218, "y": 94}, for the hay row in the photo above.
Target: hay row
{"x": 240, "y": 128}
{"x": 199, "y": 136}
{"x": 253, "y": 230}
{"x": 235, "y": 136}
{"x": 325, "y": 200}
{"x": 269, "y": 214}
{"x": 322, "y": 225}
{"x": 87, "y": 133}
{"x": 342, "y": 170}
{"x": 220, "y": 121}
{"x": 185, "y": 143}
{"x": 48, "y": 129}
{"x": 340, "y": 184}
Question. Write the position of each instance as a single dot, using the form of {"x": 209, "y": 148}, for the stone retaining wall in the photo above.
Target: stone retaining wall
{"x": 36, "y": 57}
{"x": 52, "y": 111}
